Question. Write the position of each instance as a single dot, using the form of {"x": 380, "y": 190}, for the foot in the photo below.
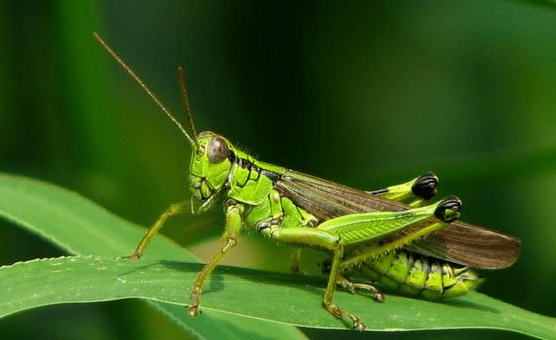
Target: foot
{"x": 194, "y": 305}
{"x": 357, "y": 324}
{"x": 134, "y": 256}
{"x": 352, "y": 286}
{"x": 338, "y": 313}
{"x": 194, "y": 310}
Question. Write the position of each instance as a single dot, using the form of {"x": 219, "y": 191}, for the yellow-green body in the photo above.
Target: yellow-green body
{"x": 252, "y": 183}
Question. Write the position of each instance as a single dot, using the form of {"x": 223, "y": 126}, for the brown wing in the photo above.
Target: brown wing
{"x": 326, "y": 200}
{"x": 469, "y": 245}
{"x": 459, "y": 243}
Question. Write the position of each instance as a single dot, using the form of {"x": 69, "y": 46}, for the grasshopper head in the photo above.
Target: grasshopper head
{"x": 211, "y": 162}
{"x": 212, "y": 154}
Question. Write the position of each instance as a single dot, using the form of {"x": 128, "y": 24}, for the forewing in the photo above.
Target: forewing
{"x": 460, "y": 243}
{"x": 326, "y": 200}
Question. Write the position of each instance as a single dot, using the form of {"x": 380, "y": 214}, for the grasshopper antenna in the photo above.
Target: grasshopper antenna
{"x": 145, "y": 87}
{"x": 185, "y": 100}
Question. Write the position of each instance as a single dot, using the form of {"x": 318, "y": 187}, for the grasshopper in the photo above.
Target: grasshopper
{"x": 389, "y": 238}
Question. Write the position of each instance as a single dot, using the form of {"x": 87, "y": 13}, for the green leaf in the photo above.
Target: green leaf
{"x": 78, "y": 226}
{"x": 284, "y": 298}
{"x": 168, "y": 271}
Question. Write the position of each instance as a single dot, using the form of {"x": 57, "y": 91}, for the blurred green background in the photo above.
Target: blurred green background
{"x": 365, "y": 93}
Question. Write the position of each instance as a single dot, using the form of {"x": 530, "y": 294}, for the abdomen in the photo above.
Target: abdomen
{"x": 412, "y": 274}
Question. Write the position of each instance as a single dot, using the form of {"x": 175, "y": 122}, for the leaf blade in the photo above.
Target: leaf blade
{"x": 287, "y": 299}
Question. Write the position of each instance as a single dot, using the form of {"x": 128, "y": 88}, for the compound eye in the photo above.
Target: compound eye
{"x": 218, "y": 150}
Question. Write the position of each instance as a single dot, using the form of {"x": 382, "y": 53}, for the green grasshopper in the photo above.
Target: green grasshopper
{"x": 389, "y": 238}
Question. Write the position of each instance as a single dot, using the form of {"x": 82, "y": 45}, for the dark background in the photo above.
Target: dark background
{"x": 365, "y": 93}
